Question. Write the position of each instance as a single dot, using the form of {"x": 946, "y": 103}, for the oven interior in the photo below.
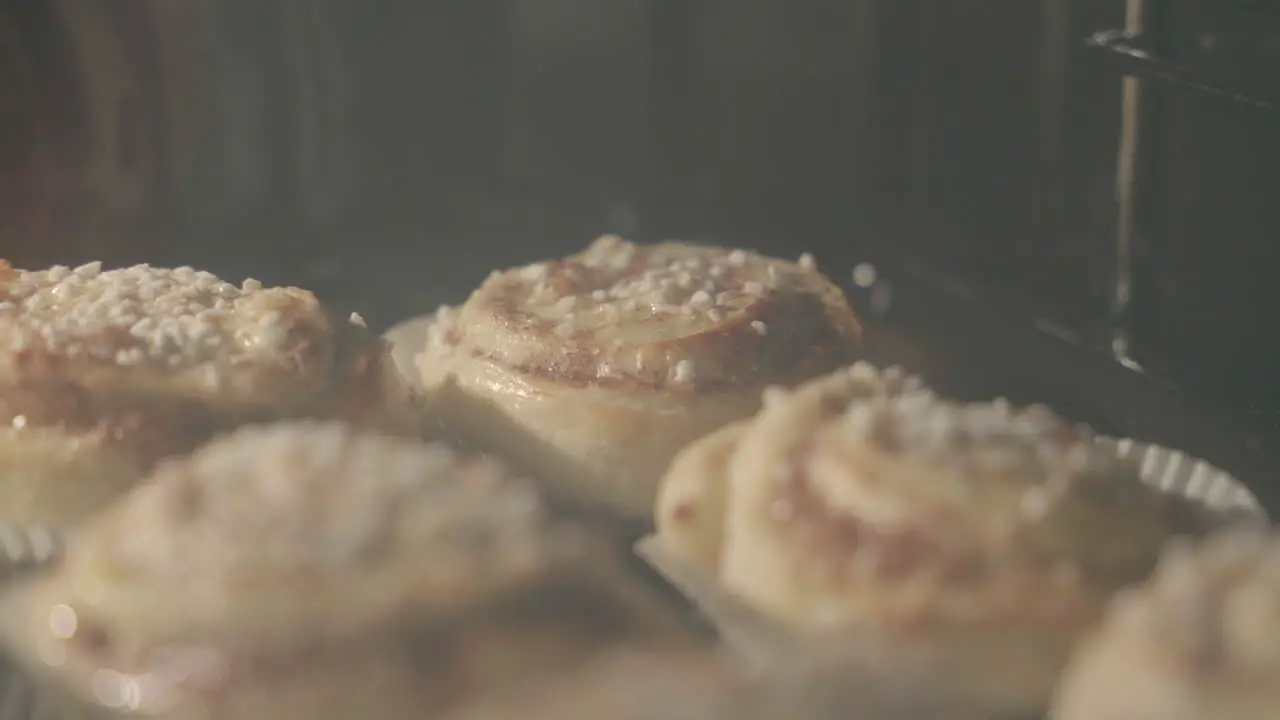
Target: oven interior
{"x": 1068, "y": 202}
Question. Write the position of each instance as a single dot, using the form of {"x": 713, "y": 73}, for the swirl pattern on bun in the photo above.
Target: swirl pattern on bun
{"x": 593, "y": 370}
{"x": 1199, "y": 640}
{"x": 282, "y": 559}
{"x": 104, "y": 372}
{"x": 863, "y": 502}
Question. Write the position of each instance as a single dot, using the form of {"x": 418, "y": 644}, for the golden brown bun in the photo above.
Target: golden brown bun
{"x": 982, "y": 537}
{"x": 104, "y": 372}
{"x": 594, "y": 370}
{"x": 307, "y": 550}
{"x": 1198, "y": 641}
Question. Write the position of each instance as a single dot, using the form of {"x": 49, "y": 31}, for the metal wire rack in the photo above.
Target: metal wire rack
{"x": 1133, "y": 57}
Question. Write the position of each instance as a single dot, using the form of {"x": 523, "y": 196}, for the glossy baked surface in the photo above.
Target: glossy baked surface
{"x": 671, "y": 317}
{"x": 594, "y": 369}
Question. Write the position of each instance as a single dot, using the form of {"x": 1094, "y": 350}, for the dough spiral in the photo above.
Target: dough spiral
{"x": 593, "y": 370}
{"x": 980, "y": 535}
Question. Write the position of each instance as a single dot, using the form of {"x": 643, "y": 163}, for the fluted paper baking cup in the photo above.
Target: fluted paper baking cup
{"x": 1173, "y": 471}
{"x": 739, "y": 626}
{"x": 26, "y": 549}
{"x": 893, "y": 688}
{"x": 23, "y": 551}
{"x": 17, "y": 697}
{"x": 758, "y": 638}
{"x": 408, "y": 339}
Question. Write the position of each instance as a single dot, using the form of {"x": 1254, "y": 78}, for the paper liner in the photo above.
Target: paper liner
{"x": 1173, "y": 471}
{"x": 17, "y": 697}
{"x": 24, "y": 551}
{"x": 889, "y": 691}
{"x": 887, "y": 678}
{"x": 408, "y": 339}
{"x": 760, "y": 640}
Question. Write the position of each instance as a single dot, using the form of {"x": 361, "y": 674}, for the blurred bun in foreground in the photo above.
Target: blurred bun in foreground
{"x": 1199, "y": 641}
{"x": 306, "y": 570}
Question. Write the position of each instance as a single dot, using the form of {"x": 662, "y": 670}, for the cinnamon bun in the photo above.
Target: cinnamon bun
{"x": 978, "y": 536}
{"x": 102, "y": 372}
{"x": 1199, "y": 641}
{"x": 593, "y": 370}
{"x": 308, "y": 570}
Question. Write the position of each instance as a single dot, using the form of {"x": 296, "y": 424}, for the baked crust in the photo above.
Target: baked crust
{"x": 122, "y": 367}
{"x": 593, "y": 370}
{"x": 956, "y": 531}
{"x": 284, "y": 549}
{"x": 1199, "y": 640}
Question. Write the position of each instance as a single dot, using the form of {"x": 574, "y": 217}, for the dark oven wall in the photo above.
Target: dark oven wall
{"x": 968, "y": 148}
{"x": 1206, "y": 256}
{"x": 846, "y": 129}
{"x": 994, "y": 152}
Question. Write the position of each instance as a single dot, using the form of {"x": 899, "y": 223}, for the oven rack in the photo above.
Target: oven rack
{"x": 1130, "y": 52}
